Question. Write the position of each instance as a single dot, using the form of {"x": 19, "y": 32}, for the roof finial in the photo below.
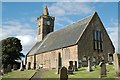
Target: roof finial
{"x": 45, "y": 12}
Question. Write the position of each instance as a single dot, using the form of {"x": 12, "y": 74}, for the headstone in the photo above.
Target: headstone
{"x": 9, "y": 68}
{"x": 89, "y": 68}
{"x": 63, "y": 73}
{"x": 116, "y": 58}
{"x": 79, "y": 63}
{"x": 84, "y": 62}
{"x": 102, "y": 69}
{"x": 75, "y": 66}
{"x": 15, "y": 67}
{"x": 70, "y": 68}
{"x": 21, "y": 66}
{"x": 94, "y": 62}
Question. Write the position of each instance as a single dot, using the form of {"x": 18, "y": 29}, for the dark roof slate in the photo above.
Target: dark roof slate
{"x": 34, "y": 48}
{"x": 61, "y": 38}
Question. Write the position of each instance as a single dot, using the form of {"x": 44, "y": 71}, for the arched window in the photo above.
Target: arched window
{"x": 98, "y": 40}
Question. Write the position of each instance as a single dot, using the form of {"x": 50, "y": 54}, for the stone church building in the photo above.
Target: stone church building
{"x": 74, "y": 43}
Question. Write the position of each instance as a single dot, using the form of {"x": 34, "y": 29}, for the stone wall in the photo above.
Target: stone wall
{"x": 50, "y": 59}
{"x": 30, "y": 59}
{"x": 86, "y": 44}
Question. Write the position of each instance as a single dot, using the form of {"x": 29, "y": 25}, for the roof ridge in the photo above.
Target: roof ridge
{"x": 86, "y": 26}
{"x": 66, "y": 27}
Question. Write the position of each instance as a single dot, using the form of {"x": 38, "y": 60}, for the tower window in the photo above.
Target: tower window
{"x": 98, "y": 40}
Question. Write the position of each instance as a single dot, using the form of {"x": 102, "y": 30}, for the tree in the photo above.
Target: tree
{"x": 11, "y": 50}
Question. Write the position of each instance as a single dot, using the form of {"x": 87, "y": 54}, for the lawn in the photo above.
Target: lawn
{"x": 20, "y": 74}
{"x": 82, "y": 73}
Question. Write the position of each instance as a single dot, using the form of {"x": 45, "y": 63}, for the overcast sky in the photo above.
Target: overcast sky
{"x": 19, "y": 18}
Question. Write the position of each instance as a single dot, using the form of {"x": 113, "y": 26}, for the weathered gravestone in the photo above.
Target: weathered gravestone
{"x": 84, "y": 62}
{"x": 70, "y": 68}
{"x": 21, "y": 66}
{"x": 94, "y": 62}
{"x": 15, "y": 67}
{"x": 79, "y": 63}
{"x": 63, "y": 73}
{"x": 102, "y": 69}
{"x": 9, "y": 68}
{"x": 89, "y": 68}
{"x": 116, "y": 58}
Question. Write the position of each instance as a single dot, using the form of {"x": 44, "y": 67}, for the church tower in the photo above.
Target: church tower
{"x": 45, "y": 24}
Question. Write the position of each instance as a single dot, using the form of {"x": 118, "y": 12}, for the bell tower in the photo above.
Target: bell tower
{"x": 45, "y": 24}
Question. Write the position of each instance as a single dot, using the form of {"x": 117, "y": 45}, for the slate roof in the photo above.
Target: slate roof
{"x": 34, "y": 48}
{"x": 61, "y": 38}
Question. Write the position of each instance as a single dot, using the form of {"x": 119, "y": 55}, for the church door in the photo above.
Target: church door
{"x": 59, "y": 61}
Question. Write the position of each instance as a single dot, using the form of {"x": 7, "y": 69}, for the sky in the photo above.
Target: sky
{"x": 19, "y": 18}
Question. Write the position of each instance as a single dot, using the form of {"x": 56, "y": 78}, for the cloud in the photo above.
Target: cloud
{"x": 59, "y": 0}
{"x": 113, "y": 33}
{"x": 59, "y": 22}
{"x": 22, "y": 31}
{"x": 62, "y": 9}
{"x": 27, "y": 42}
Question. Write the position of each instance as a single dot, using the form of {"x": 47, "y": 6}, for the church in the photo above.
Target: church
{"x": 74, "y": 43}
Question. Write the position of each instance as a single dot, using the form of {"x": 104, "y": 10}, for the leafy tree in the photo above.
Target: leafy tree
{"x": 11, "y": 50}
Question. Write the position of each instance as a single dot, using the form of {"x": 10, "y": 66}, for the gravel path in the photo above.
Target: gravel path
{"x": 38, "y": 74}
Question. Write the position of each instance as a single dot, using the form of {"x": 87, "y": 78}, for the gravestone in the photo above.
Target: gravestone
{"x": 102, "y": 69}
{"x": 79, "y": 63}
{"x": 21, "y": 66}
{"x": 75, "y": 66}
{"x": 84, "y": 62}
{"x": 15, "y": 67}
{"x": 116, "y": 58}
{"x": 9, "y": 68}
{"x": 94, "y": 62}
{"x": 89, "y": 68}
{"x": 63, "y": 73}
{"x": 70, "y": 67}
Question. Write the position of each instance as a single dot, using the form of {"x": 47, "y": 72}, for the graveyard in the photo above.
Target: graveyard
{"x": 51, "y": 73}
{"x": 82, "y": 73}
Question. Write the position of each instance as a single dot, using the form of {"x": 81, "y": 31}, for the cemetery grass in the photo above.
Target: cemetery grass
{"x": 19, "y": 74}
{"x": 82, "y": 73}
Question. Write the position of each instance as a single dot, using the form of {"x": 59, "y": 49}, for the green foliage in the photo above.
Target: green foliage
{"x": 11, "y": 50}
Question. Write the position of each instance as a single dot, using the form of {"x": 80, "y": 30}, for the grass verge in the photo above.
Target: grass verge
{"x": 82, "y": 73}
{"x": 19, "y": 74}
